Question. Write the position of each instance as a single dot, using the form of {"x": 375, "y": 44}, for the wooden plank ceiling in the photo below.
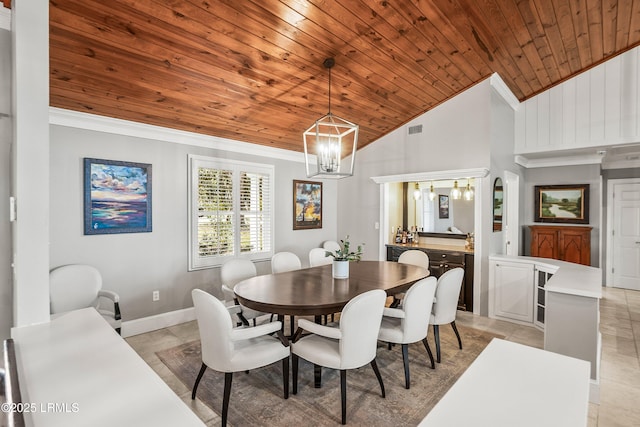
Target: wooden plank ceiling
{"x": 252, "y": 70}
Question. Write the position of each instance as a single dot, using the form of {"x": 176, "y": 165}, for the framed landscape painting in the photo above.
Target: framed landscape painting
{"x": 307, "y": 205}
{"x": 117, "y": 197}
{"x": 562, "y": 203}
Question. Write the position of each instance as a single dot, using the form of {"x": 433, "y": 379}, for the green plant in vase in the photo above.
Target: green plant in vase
{"x": 342, "y": 256}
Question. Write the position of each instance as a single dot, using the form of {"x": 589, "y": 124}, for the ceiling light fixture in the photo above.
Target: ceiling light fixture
{"x": 329, "y": 138}
{"x": 468, "y": 192}
{"x": 416, "y": 193}
{"x": 432, "y": 193}
{"x": 456, "y": 194}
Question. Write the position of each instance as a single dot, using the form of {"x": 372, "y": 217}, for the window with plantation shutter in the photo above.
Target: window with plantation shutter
{"x": 230, "y": 211}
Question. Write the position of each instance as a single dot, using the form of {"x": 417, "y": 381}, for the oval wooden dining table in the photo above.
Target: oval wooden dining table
{"x": 314, "y": 292}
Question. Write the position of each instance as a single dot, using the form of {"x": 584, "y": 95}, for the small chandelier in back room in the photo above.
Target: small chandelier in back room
{"x": 329, "y": 138}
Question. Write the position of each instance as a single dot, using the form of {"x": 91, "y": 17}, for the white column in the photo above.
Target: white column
{"x": 30, "y": 159}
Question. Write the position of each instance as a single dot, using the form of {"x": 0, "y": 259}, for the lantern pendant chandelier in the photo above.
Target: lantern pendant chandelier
{"x": 328, "y": 138}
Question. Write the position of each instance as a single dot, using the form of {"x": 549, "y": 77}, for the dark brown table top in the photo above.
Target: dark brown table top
{"x": 314, "y": 291}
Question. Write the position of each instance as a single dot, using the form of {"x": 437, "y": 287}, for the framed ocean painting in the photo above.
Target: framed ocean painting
{"x": 117, "y": 197}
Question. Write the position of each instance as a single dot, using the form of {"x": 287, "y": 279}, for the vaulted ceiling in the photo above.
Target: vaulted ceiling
{"x": 252, "y": 70}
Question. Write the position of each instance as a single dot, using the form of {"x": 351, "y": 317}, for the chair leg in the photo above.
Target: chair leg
{"x": 294, "y": 369}
{"x": 119, "y": 331}
{"x": 453, "y": 325}
{"x": 436, "y": 336}
{"x": 195, "y": 386}
{"x": 426, "y": 345}
{"x": 228, "y": 377}
{"x": 343, "y": 394}
{"x": 405, "y": 360}
{"x": 374, "y": 365}
{"x": 285, "y": 376}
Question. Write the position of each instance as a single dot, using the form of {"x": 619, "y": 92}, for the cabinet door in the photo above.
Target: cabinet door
{"x": 575, "y": 246}
{"x": 513, "y": 290}
{"x": 544, "y": 243}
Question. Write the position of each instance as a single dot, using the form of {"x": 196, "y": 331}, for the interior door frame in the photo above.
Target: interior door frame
{"x": 482, "y": 186}
{"x": 511, "y": 221}
{"x": 610, "y": 201}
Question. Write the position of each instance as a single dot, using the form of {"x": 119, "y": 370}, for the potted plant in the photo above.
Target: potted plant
{"x": 342, "y": 256}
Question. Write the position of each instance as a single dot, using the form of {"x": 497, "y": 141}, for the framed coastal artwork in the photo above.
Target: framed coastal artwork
{"x": 562, "y": 203}
{"x": 117, "y": 197}
{"x": 307, "y": 205}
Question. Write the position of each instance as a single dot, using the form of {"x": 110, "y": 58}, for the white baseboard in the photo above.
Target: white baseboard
{"x": 594, "y": 392}
{"x": 159, "y": 321}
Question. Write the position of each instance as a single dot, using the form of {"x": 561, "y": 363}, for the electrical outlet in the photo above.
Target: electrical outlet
{"x": 156, "y": 295}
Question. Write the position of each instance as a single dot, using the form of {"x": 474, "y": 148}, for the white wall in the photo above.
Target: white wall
{"x": 598, "y": 107}
{"x": 30, "y": 161}
{"x": 443, "y": 145}
{"x": 6, "y": 294}
{"x": 135, "y": 264}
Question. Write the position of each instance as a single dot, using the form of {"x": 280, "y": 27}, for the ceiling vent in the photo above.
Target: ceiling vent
{"x": 415, "y": 129}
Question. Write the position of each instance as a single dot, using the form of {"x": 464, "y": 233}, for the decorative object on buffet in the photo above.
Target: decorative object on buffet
{"x": 562, "y": 203}
{"x": 342, "y": 257}
{"x": 330, "y": 138}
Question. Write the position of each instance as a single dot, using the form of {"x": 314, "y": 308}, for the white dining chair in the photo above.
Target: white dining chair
{"x": 318, "y": 256}
{"x": 76, "y": 286}
{"x": 410, "y": 323}
{"x": 233, "y": 271}
{"x": 227, "y": 349}
{"x": 331, "y": 245}
{"x": 281, "y": 262}
{"x": 445, "y": 305}
{"x": 350, "y": 345}
{"x": 413, "y": 257}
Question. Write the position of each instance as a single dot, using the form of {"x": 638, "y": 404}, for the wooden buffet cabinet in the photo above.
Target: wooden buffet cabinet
{"x": 441, "y": 260}
{"x": 566, "y": 243}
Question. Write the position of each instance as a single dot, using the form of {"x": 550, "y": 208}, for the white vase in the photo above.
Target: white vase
{"x": 340, "y": 269}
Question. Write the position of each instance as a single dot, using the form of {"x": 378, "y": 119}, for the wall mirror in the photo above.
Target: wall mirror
{"x": 497, "y": 204}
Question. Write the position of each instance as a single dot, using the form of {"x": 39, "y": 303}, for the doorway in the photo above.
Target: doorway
{"x": 623, "y": 233}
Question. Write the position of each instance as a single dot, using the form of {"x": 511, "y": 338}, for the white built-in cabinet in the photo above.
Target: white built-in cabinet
{"x": 561, "y": 298}
{"x": 513, "y": 290}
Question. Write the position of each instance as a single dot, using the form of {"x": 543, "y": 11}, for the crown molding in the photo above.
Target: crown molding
{"x": 433, "y": 176}
{"x": 75, "y": 119}
{"x": 587, "y": 159}
{"x": 503, "y": 90}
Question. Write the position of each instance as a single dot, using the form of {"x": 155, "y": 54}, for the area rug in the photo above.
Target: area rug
{"x": 257, "y": 397}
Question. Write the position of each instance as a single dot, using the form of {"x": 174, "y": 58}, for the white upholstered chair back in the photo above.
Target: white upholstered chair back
{"x": 414, "y": 257}
{"x": 331, "y": 245}
{"x": 285, "y": 261}
{"x": 359, "y": 325}
{"x": 234, "y": 271}
{"x": 72, "y": 287}
{"x": 215, "y": 325}
{"x": 317, "y": 257}
{"x": 417, "y": 305}
{"x": 447, "y": 293}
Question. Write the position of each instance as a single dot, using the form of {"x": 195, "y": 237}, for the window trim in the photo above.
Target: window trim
{"x": 196, "y": 161}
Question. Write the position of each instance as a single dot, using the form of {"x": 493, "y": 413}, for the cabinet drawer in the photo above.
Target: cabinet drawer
{"x": 440, "y": 257}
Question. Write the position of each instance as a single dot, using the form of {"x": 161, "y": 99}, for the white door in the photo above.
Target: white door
{"x": 511, "y": 221}
{"x": 513, "y": 290}
{"x": 625, "y": 234}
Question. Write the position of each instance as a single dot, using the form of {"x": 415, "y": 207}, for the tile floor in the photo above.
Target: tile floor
{"x": 619, "y": 371}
